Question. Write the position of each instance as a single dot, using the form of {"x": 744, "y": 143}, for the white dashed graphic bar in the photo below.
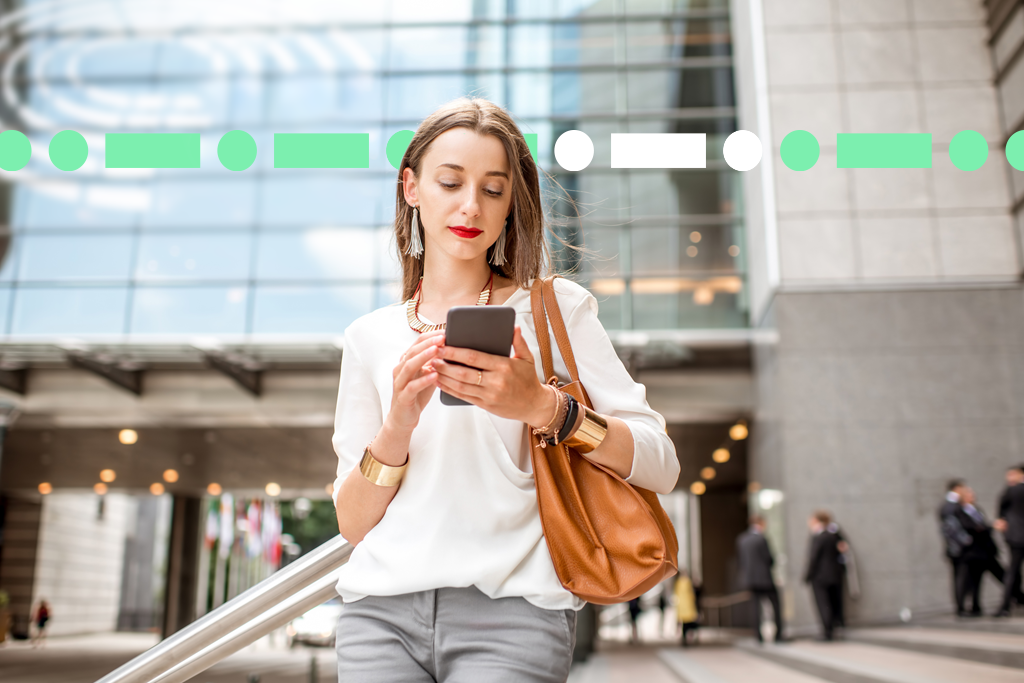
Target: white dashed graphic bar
{"x": 659, "y": 150}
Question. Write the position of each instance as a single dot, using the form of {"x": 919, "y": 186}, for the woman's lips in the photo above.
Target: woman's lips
{"x": 462, "y": 231}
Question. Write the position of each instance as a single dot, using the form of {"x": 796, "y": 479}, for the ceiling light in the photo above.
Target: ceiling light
{"x": 128, "y": 436}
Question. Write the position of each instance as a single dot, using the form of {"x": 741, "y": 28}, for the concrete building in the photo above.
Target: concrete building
{"x": 860, "y": 323}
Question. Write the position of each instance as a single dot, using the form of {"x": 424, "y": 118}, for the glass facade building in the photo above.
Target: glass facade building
{"x": 266, "y": 253}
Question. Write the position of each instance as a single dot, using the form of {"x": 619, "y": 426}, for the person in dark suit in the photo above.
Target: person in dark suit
{"x": 755, "y": 573}
{"x": 825, "y": 572}
{"x": 980, "y": 555}
{"x": 1011, "y": 523}
{"x": 955, "y": 539}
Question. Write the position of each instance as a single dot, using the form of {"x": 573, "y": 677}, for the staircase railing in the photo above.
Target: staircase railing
{"x": 270, "y": 604}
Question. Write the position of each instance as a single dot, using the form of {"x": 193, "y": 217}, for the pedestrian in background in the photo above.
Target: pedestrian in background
{"x": 1011, "y": 524}
{"x": 979, "y": 556}
{"x": 687, "y": 613}
{"x": 825, "y": 572}
{"x": 755, "y": 573}
{"x": 40, "y": 620}
{"x": 955, "y": 538}
{"x": 634, "y": 614}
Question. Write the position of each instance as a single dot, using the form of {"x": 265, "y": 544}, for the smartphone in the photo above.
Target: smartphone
{"x": 482, "y": 328}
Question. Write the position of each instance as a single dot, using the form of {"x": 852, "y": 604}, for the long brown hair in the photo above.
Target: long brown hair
{"x": 526, "y": 252}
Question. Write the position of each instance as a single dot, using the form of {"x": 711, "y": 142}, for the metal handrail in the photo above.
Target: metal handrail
{"x": 268, "y": 605}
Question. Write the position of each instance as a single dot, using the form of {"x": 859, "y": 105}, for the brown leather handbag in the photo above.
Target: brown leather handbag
{"x": 609, "y": 541}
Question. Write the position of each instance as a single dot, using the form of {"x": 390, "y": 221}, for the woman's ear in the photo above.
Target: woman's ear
{"x": 409, "y": 188}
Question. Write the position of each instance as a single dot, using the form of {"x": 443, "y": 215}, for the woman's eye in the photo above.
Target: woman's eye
{"x": 494, "y": 193}
{"x": 449, "y": 186}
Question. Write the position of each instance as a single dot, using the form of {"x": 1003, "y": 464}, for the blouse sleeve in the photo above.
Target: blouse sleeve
{"x": 358, "y": 417}
{"x": 613, "y": 392}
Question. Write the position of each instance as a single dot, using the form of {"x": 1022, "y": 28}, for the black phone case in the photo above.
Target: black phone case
{"x": 489, "y": 329}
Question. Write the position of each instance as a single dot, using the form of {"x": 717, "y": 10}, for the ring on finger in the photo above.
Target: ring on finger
{"x": 479, "y": 377}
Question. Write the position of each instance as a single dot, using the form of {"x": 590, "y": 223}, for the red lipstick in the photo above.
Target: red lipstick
{"x": 463, "y": 231}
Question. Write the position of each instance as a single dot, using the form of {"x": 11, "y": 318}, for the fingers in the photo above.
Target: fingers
{"x": 465, "y": 391}
{"x": 519, "y": 346}
{"x": 476, "y": 359}
{"x": 457, "y": 372}
{"x": 413, "y": 366}
{"x": 428, "y": 381}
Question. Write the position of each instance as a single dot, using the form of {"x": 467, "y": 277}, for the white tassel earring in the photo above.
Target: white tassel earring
{"x": 498, "y": 255}
{"x": 415, "y": 248}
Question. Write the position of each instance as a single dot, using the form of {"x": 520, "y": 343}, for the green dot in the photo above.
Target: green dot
{"x": 800, "y": 150}
{"x": 15, "y": 150}
{"x": 397, "y": 144}
{"x": 1015, "y": 150}
{"x": 968, "y": 150}
{"x": 236, "y": 150}
{"x": 68, "y": 150}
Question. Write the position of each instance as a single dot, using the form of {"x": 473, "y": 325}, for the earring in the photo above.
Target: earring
{"x": 415, "y": 248}
{"x": 498, "y": 255}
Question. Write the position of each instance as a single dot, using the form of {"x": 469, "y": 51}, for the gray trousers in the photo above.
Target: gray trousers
{"x": 453, "y": 635}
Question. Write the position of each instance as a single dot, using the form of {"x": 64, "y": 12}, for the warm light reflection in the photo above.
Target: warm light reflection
{"x": 707, "y": 473}
{"x": 698, "y": 488}
{"x": 666, "y": 285}
{"x": 214, "y": 489}
{"x": 703, "y": 296}
{"x": 738, "y": 432}
{"x": 721, "y": 455}
{"x": 45, "y": 488}
{"x": 608, "y": 286}
{"x": 100, "y": 488}
{"x": 156, "y": 488}
{"x": 128, "y": 436}
{"x": 108, "y": 475}
{"x": 691, "y": 251}
{"x": 734, "y": 251}
{"x": 273, "y": 489}
{"x": 695, "y": 237}
{"x": 753, "y": 487}
{"x": 170, "y": 476}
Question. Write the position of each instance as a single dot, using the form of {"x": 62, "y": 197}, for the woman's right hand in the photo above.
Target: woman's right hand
{"x": 414, "y": 381}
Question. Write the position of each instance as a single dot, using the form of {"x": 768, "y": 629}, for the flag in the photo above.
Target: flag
{"x": 227, "y": 525}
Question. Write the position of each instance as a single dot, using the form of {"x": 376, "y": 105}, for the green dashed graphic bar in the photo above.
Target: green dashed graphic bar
{"x": 152, "y": 150}
{"x": 884, "y": 150}
{"x": 321, "y": 150}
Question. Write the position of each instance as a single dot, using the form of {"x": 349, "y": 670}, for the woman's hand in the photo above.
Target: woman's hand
{"x": 414, "y": 380}
{"x": 506, "y": 387}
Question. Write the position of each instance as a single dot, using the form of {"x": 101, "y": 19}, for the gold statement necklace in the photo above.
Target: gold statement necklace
{"x": 412, "y": 307}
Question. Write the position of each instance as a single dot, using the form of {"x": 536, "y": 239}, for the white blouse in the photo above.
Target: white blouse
{"x": 466, "y": 512}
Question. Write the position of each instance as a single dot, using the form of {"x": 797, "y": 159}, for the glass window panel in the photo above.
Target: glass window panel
{"x": 583, "y": 92}
{"x": 388, "y": 266}
{"x": 415, "y": 97}
{"x": 659, "y": 89}
{"x": 194, "y": 256}
{"x": 655, "y": 250}
{"x": 221, "y": 202}
{"x": 310, "y": 310}
{"x": 189, "y": 310}
{"x": 75, "y": 257}
{"x": 429, "y": 47}
{"x": 190, "y": 56}
{"x": 667, "y": 6}
{"x": 64, "y": 204}
{"x": 531, "y": 45}
{"x": 589, "y": 43}
{"x": 680, "y": 310}
{"x": 5, "y": 308}
{"x": 680, "y": 192}
{"x": 531, "y": 94}
{"x": 189, "y": 105}
{"x": 317, "y": 254}
{"x": 115, "y": 56}
{"x": 490, "y": 86}
{"x": 303, "y": 98}
{"x": 415, "y": 11}
{"x": 388, "y": 293}
{"x": 9, "y": 257}
{"x": 301, "y": 200}
{"x": 358, "y": 49}
{"x": 655, "y": 41}
{"x": 603, "y": 247}
{"x": 80, "y": 310}
{"x": 248, "y": 97}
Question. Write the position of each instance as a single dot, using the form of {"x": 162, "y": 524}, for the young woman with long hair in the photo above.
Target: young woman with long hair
{"x": 450, "y": 578}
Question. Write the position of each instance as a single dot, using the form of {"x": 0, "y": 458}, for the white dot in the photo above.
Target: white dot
{"x": 742, "y": 150}
{"x": 574, "y": 150}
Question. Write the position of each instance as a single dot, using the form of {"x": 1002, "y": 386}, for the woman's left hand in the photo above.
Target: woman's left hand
{"x": 506, "y": 387}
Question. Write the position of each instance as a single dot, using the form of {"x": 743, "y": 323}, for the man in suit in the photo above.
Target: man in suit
{"x": 955, "y": 538}
{"x": 1011, "y": 523}
{"x": 755, "y": 573}
{"x": 825, "y": 572}
{"x": 979, "y": 556}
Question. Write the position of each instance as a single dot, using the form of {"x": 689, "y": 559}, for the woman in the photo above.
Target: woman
{"x": 686, "y": 607}
{"x": 450, "y": 578}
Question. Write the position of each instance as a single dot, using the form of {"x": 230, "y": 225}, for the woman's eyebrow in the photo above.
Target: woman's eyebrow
{"x": 489, "y": 173}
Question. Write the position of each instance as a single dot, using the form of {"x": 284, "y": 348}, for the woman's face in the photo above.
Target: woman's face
{"x": 464, "y": 193}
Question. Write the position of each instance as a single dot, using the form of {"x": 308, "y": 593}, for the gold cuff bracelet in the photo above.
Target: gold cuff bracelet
{"x": 378, "y": 473}
{"x": 590, "y": 433}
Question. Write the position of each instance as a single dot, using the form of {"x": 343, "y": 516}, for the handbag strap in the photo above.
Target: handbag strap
{"x": 554, "y": 315}
{"x": 540, "y": 324}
